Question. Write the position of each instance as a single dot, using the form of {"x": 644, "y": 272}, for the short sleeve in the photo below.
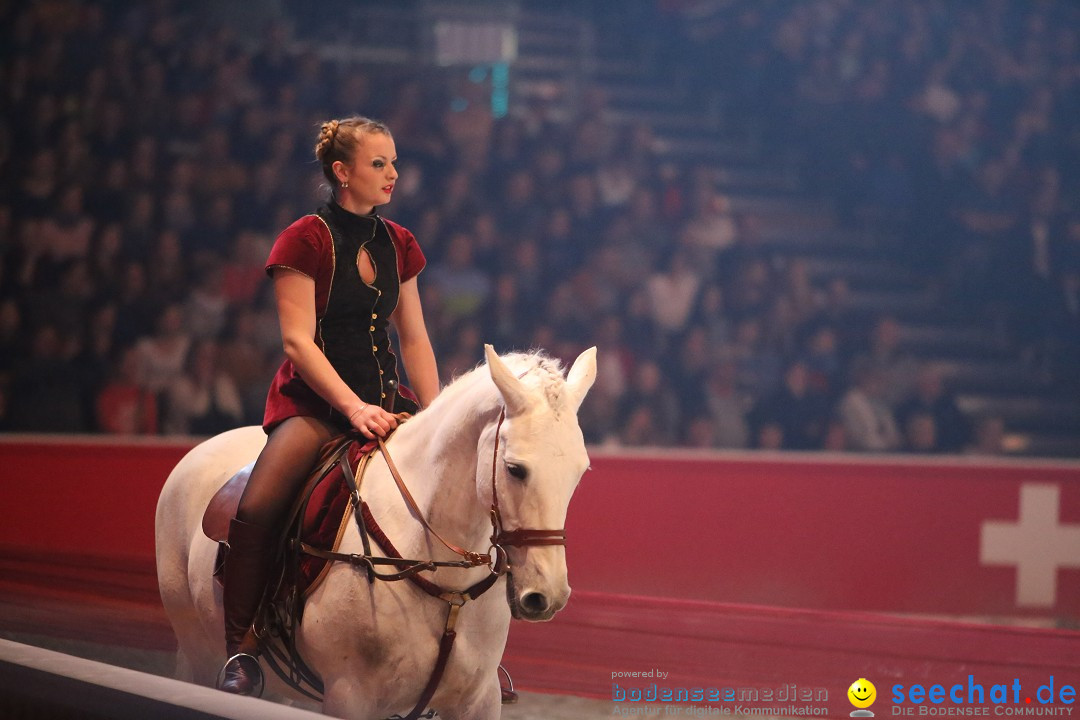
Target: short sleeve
{"x": 299, "y": 247}
{"x": 411, "y": 258}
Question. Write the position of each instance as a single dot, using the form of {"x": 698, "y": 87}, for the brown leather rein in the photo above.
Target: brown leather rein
{"x": 410, "y": 569}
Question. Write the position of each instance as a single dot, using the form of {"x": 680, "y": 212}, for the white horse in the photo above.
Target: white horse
{"x": 374, "y": 645}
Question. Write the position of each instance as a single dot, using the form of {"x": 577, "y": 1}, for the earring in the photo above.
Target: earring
{"x": 345, "y": 184}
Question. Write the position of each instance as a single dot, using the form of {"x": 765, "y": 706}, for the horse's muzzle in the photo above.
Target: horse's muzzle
{"x": 531, "y": 605}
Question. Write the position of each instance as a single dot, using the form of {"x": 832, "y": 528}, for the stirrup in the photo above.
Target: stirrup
{"x": 260, "y": 685}
{"x": 509, "y": 696}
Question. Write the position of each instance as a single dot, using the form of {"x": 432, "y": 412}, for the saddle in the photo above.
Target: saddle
{"x": 318, "y": 516}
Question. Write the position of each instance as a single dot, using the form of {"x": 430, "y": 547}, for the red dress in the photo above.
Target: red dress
{"x": 352, "y": 316}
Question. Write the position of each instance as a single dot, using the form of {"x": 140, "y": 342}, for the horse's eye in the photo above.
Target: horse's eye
{"x": 517, "y": 471}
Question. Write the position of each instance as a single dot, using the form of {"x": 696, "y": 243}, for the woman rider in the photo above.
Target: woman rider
{"x": 341, "y": 276}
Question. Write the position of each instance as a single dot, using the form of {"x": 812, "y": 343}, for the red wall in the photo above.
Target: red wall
{"x": 83, "y": 496}
{"x": 843, "y": 533}
{"x": 796, "y": 531}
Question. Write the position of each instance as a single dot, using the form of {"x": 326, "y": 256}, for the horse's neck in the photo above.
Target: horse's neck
{"x": 439, "y": 448}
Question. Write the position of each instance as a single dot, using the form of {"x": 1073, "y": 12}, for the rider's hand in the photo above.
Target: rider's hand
{"x": 372, "y": 420}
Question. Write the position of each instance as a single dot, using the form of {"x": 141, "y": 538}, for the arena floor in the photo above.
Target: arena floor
{"x": 22, "y": 621}
{"x": 531, "y": 706}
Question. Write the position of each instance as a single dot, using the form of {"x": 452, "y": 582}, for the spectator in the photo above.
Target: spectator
{"x": 1063, "y": 328}
{"x": 204, "y": 400}
{"x": 642, "y": 429}
{"x": 797, "y": 411}
{"x": 12, "y": 341}
{"x": 921, "y": 433}
{"x": 710, "y": 231}
{"x": 167, "y": 269}
{"x": 615, "y": 362}
{"x": 760, "y": 366}
{"x": 161, "y": 356}
{"x": 674, "y": 293}
{"x": 952, "y": 430}
{"x": 46, "y": 396}
{"x": 462, "y": 287}
{"x": 135, "y": 307}
{"x": 868, "y": 421}
{"x": 106, "y": 257}
{"x": 728, "y": 406}
{"x": 897, "y": 367}
{"x": 123, "y": 407}
{"x": 250, "y": 366}
{"x": 66, "y": 234}
{"x": 651, "y": 390}
{"x": 770, "y": 436}
{"x": 835, "y": 436}
{"x": 207, "y": 306}
{"x": 823, "y": 361}
{"x": 989, "y": 436}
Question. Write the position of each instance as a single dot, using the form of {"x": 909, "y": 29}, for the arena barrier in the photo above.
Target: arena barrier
{"x": 37, "y": 683}
{"x": 766, "y": 574}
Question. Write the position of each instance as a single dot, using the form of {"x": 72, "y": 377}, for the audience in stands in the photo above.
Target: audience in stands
{"x": 147, "y": 155}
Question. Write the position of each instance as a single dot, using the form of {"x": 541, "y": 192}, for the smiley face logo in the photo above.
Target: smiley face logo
{"x": 862, "y": 694}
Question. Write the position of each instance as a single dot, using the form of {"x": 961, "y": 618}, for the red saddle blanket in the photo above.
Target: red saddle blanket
{"x": 326, "y": 515}
{"x": 323, "y": 518}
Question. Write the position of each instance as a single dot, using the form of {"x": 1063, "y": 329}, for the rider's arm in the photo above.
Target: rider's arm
{"x": 415, "y": 344}
{"x": 295, "y": 295}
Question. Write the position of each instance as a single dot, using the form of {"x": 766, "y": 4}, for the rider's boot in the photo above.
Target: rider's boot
{"x": 247, "y": 564}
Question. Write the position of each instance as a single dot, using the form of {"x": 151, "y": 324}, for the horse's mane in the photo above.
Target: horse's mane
{"x": 536, "y": 369}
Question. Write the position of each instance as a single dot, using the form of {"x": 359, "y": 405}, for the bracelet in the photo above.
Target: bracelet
{"x": 358, "y": 410}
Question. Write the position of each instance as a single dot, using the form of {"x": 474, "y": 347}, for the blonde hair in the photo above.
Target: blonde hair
{"x": 340, "y": 139}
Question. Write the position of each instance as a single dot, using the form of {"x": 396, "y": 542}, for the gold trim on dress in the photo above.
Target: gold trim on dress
{"x": 289, "y": 267}
{"x": 330, "y": 289}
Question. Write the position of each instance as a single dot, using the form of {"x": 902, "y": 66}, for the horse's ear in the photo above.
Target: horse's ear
{"x": 581, "y": 376}
{"x": 514, "y": 393}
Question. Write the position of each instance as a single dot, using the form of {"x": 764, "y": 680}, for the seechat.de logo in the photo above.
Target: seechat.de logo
{"x": 975, "y": 698}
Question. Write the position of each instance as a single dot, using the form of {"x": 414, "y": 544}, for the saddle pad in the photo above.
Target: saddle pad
{"x": 326, "y": 516}
{"x": 222, "y": 507}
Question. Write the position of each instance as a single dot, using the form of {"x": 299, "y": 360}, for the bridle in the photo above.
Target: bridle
{"x": 501, "y": 538}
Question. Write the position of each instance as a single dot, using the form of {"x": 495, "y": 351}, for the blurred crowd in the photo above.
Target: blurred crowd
{"x": 149, "y": 156}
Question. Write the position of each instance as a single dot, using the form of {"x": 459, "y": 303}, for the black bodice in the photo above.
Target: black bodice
{"x": 353, "y": 332}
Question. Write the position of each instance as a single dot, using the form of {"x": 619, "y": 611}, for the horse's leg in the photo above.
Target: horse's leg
{"x": 486, "y": 704}
{"x": 184, "y": 670}
{"x": 345, "y": 697}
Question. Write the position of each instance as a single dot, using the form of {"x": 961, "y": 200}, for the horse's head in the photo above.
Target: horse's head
{"x": 541, "y": 457}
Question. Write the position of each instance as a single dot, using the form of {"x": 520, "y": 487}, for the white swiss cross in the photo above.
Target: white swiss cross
{"x": 1037, "y": 544}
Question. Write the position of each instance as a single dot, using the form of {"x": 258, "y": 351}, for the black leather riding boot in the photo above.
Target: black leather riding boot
{"x": 247, "y": 565}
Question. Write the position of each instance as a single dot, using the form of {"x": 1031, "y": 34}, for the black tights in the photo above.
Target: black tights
{"x": 282, "y": 467}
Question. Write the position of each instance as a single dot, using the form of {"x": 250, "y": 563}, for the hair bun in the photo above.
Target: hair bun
{"x": 327, "y": 136}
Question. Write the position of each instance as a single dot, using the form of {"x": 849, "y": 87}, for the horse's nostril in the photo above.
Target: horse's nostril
{"x": 534, "y": 602}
